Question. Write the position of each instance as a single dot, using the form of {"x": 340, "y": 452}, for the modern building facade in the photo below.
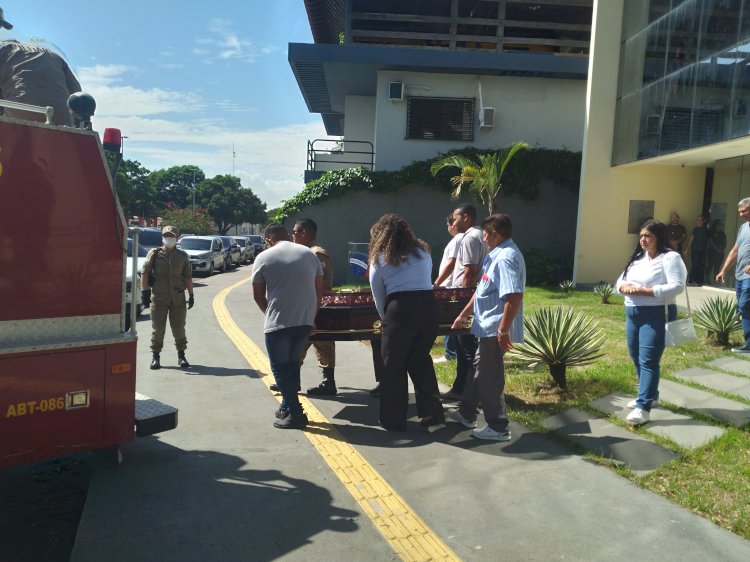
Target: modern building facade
{"x": 407, "y": 80}
{"x": 667, "y": 123}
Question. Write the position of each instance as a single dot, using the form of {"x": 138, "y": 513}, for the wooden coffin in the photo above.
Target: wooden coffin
{"x": 353, "y": 316}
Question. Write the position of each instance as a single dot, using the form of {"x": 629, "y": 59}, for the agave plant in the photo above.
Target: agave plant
{"x": 604, "y": 290}
{"x": 719, "y": 317}
{"x": 559, "y": 338}
{"x": 567, "y": 285}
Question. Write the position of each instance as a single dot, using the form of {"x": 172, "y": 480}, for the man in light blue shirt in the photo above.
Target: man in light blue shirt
{"x": 497, "y": 305}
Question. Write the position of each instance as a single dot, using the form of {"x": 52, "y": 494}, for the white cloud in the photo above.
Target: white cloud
{"x": 165, "y": 128}
{"x": 226, "y": 44}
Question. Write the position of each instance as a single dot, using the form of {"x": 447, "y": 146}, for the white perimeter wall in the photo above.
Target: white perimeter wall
{"x": 544, "y": 112}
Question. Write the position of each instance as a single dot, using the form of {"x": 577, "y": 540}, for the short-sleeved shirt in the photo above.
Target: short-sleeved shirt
{"x": 289, "y": 271}
{"x": 700, "y": 239}
{"x": 35, "y": 75}
{"x": 450, "y": 253}
{"x": 325, "y": 262}
{"x": 676, "y": 231}
{"x": 171, "y": 269}
{"x": 412, "y": 274}
{"x": 472, "y": 252}
{"x": 743, "y": 252}
{"x": 503, "y": 273}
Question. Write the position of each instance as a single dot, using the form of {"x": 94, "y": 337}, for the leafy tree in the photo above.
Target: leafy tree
{"x": 188, "y": 221}
{"x": 137, "y": 197}
{"x": 483, "y": 174}
{"x": 175, "y": 184}
{"x": 229, "y": 203}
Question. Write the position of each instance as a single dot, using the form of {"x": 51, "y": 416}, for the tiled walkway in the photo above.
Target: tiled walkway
{"x": 636, "y": 450}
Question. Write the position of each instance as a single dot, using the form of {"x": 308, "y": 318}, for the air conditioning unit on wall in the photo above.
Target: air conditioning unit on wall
{"x": 487, "y": 118}
{"x": 396, "y": 91}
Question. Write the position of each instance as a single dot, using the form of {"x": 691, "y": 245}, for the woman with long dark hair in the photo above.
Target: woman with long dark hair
{"x": 401, "y": 281}
{"x": 652, "y": 278}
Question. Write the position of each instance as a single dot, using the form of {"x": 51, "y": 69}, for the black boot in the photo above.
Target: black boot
{"x": 155, "y": 362}
{"x": 181, "y": 361}
{"x": 325, "y": 388}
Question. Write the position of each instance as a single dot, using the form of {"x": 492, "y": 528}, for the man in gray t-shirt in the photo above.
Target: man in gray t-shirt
{"x": 741, "y": 252}
{"x": 287, "y": 286}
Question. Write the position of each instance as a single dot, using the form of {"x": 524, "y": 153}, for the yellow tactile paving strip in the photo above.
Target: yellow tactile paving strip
{"x": 404, "y": 530}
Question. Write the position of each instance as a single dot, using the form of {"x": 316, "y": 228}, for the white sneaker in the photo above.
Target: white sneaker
{"x": 637, "y": 417}
{"x": 490, "y": 434}
{"x": 455, "y": 415}
{"x": 633, "y": 402}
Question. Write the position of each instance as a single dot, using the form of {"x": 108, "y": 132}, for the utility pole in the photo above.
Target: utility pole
{"x": 193, "y": 190}
{"x": 233, "y": 155}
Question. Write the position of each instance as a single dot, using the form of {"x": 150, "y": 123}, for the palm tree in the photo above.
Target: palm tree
{"x": 482, "y": 174}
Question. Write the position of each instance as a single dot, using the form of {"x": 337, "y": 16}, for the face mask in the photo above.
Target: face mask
{"x": 169, "y": 242}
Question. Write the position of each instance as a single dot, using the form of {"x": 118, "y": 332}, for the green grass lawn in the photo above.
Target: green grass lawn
{"x": 713, "y": 481}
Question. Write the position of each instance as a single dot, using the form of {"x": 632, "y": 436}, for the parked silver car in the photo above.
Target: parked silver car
{"x": 231, "y": 251}
{"x": 206, "y": 253}
{"x": 258, "y": 243}
{"x": 247, "y": 250}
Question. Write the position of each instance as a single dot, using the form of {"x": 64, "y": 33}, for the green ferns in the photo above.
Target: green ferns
{"x": 720, "y": 318}
{"x": 559, "y": 338}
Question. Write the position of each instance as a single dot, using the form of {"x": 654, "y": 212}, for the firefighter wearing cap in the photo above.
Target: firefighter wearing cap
{"x": 171, "y": 275}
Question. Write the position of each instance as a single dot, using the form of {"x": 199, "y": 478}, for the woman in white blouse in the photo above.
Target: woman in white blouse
{"x": 653, "y": 276}
{"x": 401, "y": 281}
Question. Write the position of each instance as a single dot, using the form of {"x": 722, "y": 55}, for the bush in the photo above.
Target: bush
{"x": 559, "y": 339}
{"x": 720, "y": 318}
{"x": 567, "y": 285}
{"x": 547, "y": 269}
{"x": 604, "y": 290}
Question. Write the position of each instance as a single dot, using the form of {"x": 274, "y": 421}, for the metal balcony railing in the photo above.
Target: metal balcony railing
{"x": 324, "y": 155}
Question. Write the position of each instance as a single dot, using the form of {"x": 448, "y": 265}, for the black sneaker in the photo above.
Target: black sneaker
{"x": 743, "y": 349}
{"x": 281, "y": 413}
{"x": 325, "y": 388}
{"x": 292, "y": 422}
{"x": 155, "y": 363}
{"x": 275, "y": 387}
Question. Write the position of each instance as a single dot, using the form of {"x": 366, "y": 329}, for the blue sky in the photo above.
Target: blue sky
{"x": 184, "y": 81}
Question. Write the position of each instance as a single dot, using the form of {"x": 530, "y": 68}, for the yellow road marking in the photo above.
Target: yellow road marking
{"x": 404, "y": 530}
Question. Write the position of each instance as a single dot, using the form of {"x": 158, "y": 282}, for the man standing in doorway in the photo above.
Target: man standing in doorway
{"x": 305, "y": 232}
{"x": 741, "y": 252}
{"x": 676, "y": 232}
{"x": 465, "y": 274}
{"x": 172, "y": 274}
{"x": 287, "y": 283}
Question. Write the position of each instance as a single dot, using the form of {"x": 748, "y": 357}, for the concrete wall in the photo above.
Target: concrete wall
{"x": 544, "y": 112}
{"x": 360, "y": 119}
{"x": 602, "y": 242}
{"x": 547, "y": 223}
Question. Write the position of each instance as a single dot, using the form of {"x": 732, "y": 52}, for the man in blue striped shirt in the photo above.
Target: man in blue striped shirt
{"x": 497, "y": 305}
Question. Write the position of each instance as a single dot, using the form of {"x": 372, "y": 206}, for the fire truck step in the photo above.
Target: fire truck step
{"x": 152, "y": 416}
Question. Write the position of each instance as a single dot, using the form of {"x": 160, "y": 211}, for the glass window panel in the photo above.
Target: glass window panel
{"x": 682, "y": 45}
{"x": 626, "y": 130}
{"x": 651, "y": 120}
{"x": 632, "y": 61}
{"x": 658, "y": 8}
{"x": 656, "y": 49}
{"x": 740, "y": 111}
{"x": 744, "y": 17}
{"x": 719, "y": 27}
{"x": 678, "y": 112}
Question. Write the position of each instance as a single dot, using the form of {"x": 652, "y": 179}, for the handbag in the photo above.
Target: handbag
{"x": 678, "y": 332}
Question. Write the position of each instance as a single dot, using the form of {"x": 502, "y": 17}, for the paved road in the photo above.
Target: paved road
{"x": 226, "y": 485}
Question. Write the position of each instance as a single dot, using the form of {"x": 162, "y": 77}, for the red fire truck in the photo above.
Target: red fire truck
{"x": 67, "y": 363}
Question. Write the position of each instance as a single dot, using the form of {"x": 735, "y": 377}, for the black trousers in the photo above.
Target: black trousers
{"x": 410, "y": 328}
{"x": 466, "y": 348}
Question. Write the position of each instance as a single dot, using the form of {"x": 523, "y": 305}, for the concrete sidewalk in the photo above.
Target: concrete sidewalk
{"x": 226, "y": 485}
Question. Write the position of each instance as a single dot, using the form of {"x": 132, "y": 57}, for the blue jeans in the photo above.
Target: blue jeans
{"x": 285, "y": 348}
{"x": 644, "y": 330}
{"x": 450, "y": 346}
{"x": 743, "y": 307}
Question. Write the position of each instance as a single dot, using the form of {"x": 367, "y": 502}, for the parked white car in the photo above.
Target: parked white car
{"x": 141, "y": 257}
{"x": 206, "y": 253}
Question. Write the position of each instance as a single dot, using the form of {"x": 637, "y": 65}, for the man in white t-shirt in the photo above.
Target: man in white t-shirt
{"x": 287, "y": 283}
{"x": 469, "y": 260}
{"x": 445, "y": 275}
